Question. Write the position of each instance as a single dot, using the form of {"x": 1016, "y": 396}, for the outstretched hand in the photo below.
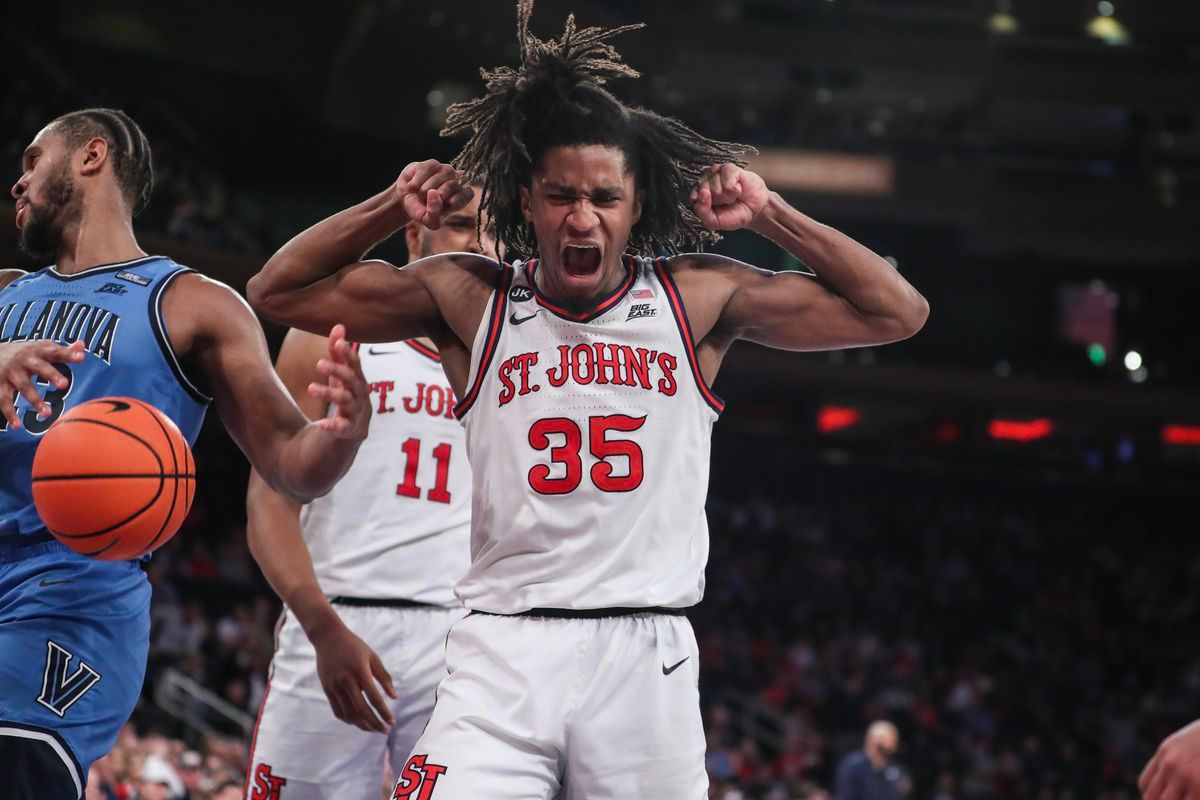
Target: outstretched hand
{"x": 729, "y": 197}
{"x": 345, "y": 389}
{"x": 430, "y": 189}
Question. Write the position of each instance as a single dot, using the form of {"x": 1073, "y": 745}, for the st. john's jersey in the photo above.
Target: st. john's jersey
{"x": 396, "y": 526}
{"x": 588, "y": 436}
{"x": 116, "y": 309}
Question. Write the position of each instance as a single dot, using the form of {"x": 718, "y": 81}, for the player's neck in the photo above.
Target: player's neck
{"x": 425, "y": 340}
{"x": 553, "y": 290}
{"x": 99, "y": 236}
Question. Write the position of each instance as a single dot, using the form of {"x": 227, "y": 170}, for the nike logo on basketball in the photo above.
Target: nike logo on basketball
{"x": 515, "y": 320}
{"x": 668, "y": 670}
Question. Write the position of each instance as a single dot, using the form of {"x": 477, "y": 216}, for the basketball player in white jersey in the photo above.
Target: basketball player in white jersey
{"x": 366, "y": 572}
{"x": 585, "y": 382}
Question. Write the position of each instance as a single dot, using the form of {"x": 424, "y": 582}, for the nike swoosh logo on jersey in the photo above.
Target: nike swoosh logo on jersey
{"x": 375, "y": 352}
{"x": 515, "y": 320}
{"x": 55, "y": 583}
{"x": 668, "y": 670}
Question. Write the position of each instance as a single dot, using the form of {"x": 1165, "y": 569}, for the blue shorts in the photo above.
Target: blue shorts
{"x": 74, "y": 635}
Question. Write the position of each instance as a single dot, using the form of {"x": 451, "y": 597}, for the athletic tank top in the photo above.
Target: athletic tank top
{"x": 588, "y": 436}
{"x": 116, "y": 309}
{"x": 397, "y": 524}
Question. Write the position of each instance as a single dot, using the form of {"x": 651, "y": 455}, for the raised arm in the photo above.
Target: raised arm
{"x": 857, "y": 298}
{"x": 319, "y": 278}
{"x": 347, "y": 667}
{"x": 215, "y": 333}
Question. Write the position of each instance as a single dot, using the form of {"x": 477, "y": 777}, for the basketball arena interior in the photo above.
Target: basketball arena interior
{"x": 983, "y": 534}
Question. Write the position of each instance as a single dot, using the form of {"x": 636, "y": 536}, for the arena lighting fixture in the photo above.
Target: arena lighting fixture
{"x": 1097, "y": 354}
{"x": 826, "y": 172}
{"x": 1106, "y": 27}
{"x": 836, "y": 418}
{"x": 1011, "y": 430}
{"x": 1183, "y": 435}
{"x": 1133, "y": 361}
{"x": 1002, "y": 20}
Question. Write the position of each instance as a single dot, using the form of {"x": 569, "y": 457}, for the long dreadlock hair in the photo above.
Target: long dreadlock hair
{"x": 556, "y": 97}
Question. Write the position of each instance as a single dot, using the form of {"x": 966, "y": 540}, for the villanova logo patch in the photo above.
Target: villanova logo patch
{"x": 640, "y": 310}
{"x": 60, "y": 691}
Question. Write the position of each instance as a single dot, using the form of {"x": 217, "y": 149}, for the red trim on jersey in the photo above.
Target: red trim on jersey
{"x": 262, "y": 705}
{"x": 685, "y": 332}
{"x": 424, "y": 350}
{"x": 355, "y": 346}
{"x": 608, "y": 302}
{"x": 495, "y": 326}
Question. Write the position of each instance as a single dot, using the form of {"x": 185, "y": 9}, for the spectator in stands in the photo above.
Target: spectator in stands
{"x": 229, "y": 790}
{"x": 871, "y": 773}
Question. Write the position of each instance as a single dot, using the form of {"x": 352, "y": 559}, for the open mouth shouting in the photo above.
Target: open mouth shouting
{"x": 581, "y": 259}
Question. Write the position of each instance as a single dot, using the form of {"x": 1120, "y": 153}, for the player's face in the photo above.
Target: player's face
{"x": 44, "y": 194}
{"x": 457, "y": 234}
{"x": 583, "y": 204}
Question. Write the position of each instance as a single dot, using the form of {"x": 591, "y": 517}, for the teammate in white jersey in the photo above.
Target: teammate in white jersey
{"x": 585, "y": 381}
{"x": 366, "y": 571}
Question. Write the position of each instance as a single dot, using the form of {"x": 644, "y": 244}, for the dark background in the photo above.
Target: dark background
{"x": 1021, "y": 608}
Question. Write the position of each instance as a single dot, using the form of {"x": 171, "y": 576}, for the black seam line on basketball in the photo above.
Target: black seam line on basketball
{"x": 141, "y": 510}
{"x": 153, "y": 412}
{"x": 97, "y": 475}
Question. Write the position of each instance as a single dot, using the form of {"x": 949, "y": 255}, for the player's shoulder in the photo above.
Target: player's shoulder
{"x": 708, "y": 269}
{"x": 472, "y": 265}
{"x": 8, "y": 276}
{"x": 205, "y": 302}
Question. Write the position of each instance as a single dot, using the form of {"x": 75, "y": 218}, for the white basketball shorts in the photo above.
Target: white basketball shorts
{"x": 301, "y": 751}
{"x": 537, "y": 708}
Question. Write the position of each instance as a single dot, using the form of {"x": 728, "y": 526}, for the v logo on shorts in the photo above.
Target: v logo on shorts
{"x": 668, "y": 670}
{"x": 60, "y": 691}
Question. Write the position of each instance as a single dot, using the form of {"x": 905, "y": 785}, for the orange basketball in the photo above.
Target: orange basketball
{"x": 113, "y": 478}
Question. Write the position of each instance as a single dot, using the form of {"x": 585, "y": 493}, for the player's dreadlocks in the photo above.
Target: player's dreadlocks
{"x": 555, "y": 98}
{"x": 127, "y": 147}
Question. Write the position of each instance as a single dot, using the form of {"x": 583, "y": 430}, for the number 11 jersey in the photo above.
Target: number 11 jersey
{"x": 396, "y": 525}
{"x": 589, "y": 438}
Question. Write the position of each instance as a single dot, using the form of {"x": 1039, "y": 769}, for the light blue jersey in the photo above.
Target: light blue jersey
{"x": 74, "y": 631}
{"x": 116, "y": 311}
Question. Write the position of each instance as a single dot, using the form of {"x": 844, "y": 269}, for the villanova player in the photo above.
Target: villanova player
{"x": 107, "y": 319}
{"x": 585, "y": 380}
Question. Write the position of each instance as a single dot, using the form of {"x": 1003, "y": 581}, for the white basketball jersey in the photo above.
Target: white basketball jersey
{"x": 396, "y": 526}
{"x": 588, "y": 436}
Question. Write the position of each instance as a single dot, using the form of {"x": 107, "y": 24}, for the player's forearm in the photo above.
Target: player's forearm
{"x": 848, "y": 268}
{"x": 273, "y": 533}
{"x": 325, "y": 248}
{"x": 312, "y": 461}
